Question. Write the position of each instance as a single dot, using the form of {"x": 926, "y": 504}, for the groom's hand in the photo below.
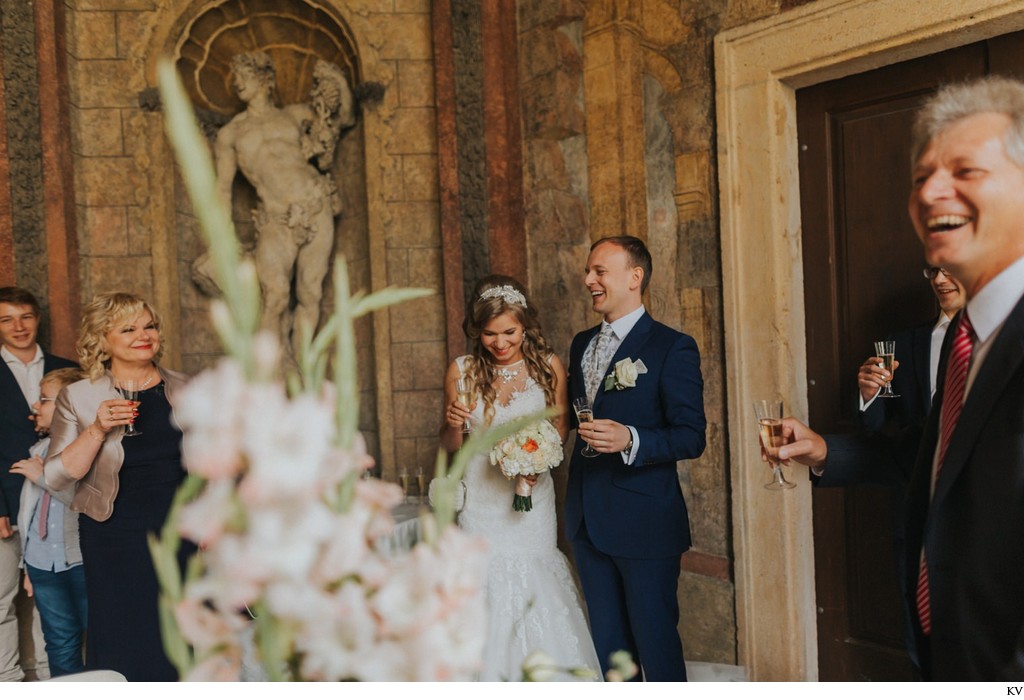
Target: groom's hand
{"x": 605, "y": 435}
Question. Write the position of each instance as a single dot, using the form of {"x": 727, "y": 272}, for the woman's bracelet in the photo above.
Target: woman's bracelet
{"x": 100, "y": 439}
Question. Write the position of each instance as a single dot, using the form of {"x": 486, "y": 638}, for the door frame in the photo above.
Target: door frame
{"x": 758, "y": 69}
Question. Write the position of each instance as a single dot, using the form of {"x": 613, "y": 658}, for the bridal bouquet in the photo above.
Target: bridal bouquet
{"x": 532, "y": 450}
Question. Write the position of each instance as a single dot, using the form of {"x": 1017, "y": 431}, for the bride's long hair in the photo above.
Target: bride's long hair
{"x": 536, "y": 352}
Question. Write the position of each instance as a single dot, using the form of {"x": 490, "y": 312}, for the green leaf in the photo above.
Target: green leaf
{"x": 388, "y": 297}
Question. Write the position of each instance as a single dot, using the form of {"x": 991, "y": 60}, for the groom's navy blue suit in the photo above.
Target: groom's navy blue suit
{"x": 628, "y": 523}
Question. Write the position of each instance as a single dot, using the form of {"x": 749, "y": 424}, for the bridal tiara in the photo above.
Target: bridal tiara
{"x": 508, "y": 294}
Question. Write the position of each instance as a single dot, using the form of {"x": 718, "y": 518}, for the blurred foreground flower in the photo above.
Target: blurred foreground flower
{"x": 276, "y": 497}
{"x": 623, "y": 668}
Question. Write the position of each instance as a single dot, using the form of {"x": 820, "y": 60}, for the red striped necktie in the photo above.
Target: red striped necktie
{"x": 952, "y": 404}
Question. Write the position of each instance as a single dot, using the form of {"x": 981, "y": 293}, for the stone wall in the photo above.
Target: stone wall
{"x": 570, "y": 87}
{"x": 21, "y": 108}
{"x": 137, "y": 233}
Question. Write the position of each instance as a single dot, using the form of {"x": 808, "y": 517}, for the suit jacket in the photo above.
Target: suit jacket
{"x": 76, "y": 411}
{"x": 913, "y": 384}
{"x": 638, "y": 510}
{"x": 911, "y": 381}
{"x": 17, "y": 433}
{"x": 972, "y": 527}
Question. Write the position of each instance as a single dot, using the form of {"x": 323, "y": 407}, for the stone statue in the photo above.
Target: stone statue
{"x": 275, "y": 149}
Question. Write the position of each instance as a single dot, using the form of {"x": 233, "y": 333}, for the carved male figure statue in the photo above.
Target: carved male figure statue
{"x": 294, "y": 220}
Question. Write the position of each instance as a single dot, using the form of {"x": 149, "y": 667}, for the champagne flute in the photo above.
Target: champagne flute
{"x": 769, "y": 425}
{"x": 584, "y": 414}
{"x": 464, "y": 394}
{"x": 403, "y": 480}
{"x": 130, "y": 390}
{"x": 886, "y": 350}
{"x": 421, "y": 484}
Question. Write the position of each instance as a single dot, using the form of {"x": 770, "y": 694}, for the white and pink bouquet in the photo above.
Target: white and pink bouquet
{"x": 532, "y": 450}
{"x": 289, "y": 528}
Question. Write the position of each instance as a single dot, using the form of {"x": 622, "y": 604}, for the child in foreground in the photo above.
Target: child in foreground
{"x": 49, "y": 542}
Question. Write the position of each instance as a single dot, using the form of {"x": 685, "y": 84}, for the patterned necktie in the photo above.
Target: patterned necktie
{"x": 952, "y": 404}
{"x": 44, "y": 513}
{"x": 596, "y": 364}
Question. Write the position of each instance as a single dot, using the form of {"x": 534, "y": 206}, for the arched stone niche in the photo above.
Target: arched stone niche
{"x": 134, "y": 220}
{"x": 295, "y": 33}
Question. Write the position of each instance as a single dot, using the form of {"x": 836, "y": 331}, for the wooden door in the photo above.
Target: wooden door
{"x": 862, "y": 281}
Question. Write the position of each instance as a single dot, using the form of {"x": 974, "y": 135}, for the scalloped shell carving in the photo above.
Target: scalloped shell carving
{"x": 294, "y": 32}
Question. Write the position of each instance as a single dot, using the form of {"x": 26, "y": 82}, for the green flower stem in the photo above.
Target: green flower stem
{"x": 236, "y": 280}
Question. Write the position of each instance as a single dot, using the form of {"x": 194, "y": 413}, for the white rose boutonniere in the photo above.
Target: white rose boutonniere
{"x": 625, "y": 374}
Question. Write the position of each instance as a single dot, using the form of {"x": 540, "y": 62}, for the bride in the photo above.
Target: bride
{"x": 533, "y": 602}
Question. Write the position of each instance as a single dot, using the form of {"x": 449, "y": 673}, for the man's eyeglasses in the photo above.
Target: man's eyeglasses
{"x": 933, "y": 272}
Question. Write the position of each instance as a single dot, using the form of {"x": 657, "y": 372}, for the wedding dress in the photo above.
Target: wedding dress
{"x": 532, "y": 598}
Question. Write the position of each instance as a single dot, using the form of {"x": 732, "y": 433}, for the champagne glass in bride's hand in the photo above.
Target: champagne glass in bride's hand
{"x": 585, "y": 414}
{"x": 886, "y": 351}
{"x": 130, "y": 390}
{"x": 769, "y": 425}
{"x": 464, "y": 395}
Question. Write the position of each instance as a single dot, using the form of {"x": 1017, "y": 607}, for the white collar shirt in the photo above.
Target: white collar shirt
{"x": 28, "y": 375}
{"x": 938, "y": 335}
{"x": 620, "y": 329}
{"x": 989, "y": 310}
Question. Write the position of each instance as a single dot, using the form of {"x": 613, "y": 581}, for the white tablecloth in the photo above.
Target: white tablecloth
{"x": 407, "y": 529}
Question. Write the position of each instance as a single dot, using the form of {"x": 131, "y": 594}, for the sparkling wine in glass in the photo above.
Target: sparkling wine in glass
{"x": 886, "y": 350}
{"x": 421, "y": 485}
{"x": 403, "y": 480}
{"x": 464, "y": 395}
{"x": 769, "y": 426}
{"x": 130, "y": 390}
{"x": 585, "y": 414}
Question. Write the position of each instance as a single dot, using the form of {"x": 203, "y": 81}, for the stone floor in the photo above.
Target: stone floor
{"x": 698, "y": 671}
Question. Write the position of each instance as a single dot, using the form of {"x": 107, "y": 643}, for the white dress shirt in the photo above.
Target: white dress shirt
{"x": 28, "y": 375}
{"x": 938, "y": 335}
{"x": 620, "y": 329}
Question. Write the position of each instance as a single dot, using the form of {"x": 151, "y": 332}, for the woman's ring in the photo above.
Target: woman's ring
{"x": 110, "y": 411}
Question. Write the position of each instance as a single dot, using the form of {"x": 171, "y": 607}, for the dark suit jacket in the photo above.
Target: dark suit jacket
{"x": 638, "y": 510}
{"x": 972, "y": 529}
{"x": 17, "y": 433}
{"x": 910, "y": 381}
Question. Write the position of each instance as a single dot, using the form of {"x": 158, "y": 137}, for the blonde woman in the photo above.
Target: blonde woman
{"x": 532, "y": 597}
{"x": 124, "y": 485}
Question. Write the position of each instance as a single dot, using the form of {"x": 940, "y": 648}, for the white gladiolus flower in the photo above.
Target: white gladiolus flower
{"x": 279, "y": 538}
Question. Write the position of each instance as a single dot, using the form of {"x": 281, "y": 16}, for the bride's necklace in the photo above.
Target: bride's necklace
{"x": 507, "y": 374}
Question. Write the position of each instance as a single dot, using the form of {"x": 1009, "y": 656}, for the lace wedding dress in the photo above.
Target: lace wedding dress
{"x": 532, "y": 598}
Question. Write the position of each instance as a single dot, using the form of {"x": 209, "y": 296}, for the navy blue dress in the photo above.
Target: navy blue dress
{"x": 124, "y": 628}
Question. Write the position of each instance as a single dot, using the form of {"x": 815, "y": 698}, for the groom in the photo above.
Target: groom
{"x": 624, "y": 510}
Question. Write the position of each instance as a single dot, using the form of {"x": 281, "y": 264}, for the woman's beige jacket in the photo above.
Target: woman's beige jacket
{"x": 76, "y": 411}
